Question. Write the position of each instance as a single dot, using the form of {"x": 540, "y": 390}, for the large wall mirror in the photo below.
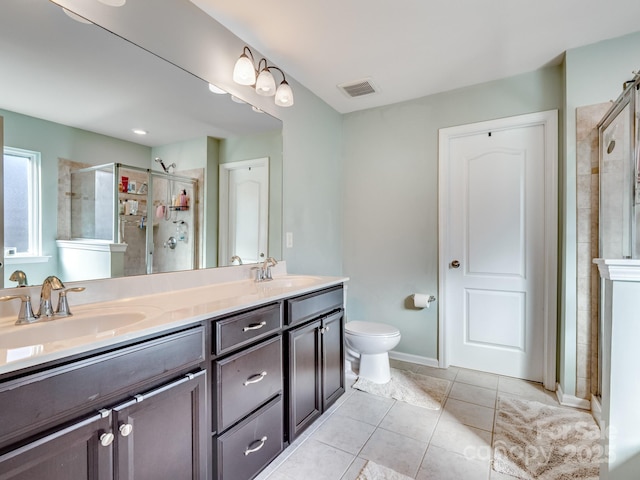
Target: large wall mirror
{"x": 109, "y": 202}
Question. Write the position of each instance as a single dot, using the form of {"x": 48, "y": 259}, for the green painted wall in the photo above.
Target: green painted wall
{"x": 391, "y": 196}
{"x": 56, "y": 141}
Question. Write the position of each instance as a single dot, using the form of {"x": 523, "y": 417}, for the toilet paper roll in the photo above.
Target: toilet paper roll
{"x": 422, "y": 300}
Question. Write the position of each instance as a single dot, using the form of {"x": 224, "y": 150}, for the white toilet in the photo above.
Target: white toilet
{"x": 372, "y": 341}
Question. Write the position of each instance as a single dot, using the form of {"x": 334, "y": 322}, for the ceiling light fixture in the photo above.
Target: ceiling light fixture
{"x": 113, "y": 3}
{"x": 76, "y": 17}
{"x": 217, "y": 90}
{"x": 139, "y": 131}
{"x": 261, "y": 78}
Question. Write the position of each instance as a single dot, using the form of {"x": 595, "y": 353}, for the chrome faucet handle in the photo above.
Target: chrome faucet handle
{"x": 25, "y": 316}
{"x": 62, "y": 309}
{"x": 259, "y": 273}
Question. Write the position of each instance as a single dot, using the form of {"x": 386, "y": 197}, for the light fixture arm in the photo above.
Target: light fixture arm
{"x": 247, "y": 49}
{"x": 284, "y": 79}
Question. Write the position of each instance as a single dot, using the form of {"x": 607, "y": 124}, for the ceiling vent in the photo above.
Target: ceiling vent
{"x": 358, "y": 88}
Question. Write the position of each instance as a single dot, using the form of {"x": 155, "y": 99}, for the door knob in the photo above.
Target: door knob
{"x": 455, "y": 264}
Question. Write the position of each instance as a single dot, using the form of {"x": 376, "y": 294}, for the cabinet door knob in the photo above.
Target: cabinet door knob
{"x": 455, "y": 264}
{"x": 106, "y": 439}
{"x": 260, "y": 444}
{"x": 255, "y": 378}
{"x": 126, "y": 429}
{"x": 254, "y": 326}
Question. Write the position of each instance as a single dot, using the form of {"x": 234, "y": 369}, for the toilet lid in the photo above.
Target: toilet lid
{"x": 371, "y": 329}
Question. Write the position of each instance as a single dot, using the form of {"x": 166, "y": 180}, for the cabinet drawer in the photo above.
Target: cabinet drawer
{"x": 247, "y": 448}
{"x": 246, "y": 380}
{"x": 48, "y": 397}
{"x": 313, "y": 305}
{"x": 238, "y": 330}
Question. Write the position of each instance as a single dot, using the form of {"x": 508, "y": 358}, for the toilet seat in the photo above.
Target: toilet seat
{"x": 370, "y": 329}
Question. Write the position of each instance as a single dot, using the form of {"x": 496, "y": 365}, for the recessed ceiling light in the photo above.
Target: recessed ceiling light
{"x": 217, "y": 90}
{"x": 139, "y": 131}
{"x": 76, "y": 17}
{"x": 113, "y": 3}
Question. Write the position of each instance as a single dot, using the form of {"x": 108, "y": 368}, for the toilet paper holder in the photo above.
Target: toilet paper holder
{"x": 421, "y": 300}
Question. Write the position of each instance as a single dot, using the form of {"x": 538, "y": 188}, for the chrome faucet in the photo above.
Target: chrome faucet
{"x": 236, "y": 258}
{"x": 266, "y": 268}
{"x": 50, "y": 283}
{"x": 263, "y": 272}
{"x": 26, "y": 315}
{"x": 20, "y": 277}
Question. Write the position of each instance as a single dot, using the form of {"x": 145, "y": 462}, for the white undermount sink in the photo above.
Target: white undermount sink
{"x": 98, "y": 323}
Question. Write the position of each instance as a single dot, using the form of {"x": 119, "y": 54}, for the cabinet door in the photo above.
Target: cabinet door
{"x": 304, "y": 400}
{"x": 76, "y": 452}
{"x": 332, "y": 358}
{"x": 163, "y": 433}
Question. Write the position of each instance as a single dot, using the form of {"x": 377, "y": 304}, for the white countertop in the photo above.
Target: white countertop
{"x": 98, "y": 325}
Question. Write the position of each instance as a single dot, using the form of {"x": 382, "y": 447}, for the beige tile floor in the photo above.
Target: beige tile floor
{"x": 451, "y": 443}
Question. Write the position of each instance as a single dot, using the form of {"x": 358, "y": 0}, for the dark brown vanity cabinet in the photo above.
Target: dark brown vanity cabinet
{"x": 138, "y": 411}
{"x": 248, "y": 415}
{"x": 315, "y": 357}
{"x": 72, "y": 452}
{"x": 163, "y": 433}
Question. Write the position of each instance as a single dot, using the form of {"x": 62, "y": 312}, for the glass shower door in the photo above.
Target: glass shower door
{"x": 172, "y": 240}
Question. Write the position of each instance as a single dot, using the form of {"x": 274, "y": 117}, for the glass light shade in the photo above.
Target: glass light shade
{"x": 244, "y": 72}
{"x": 284, "y": 95}
{"x": 76, "y": 17}
{"x": 217, "y": 90}
{"x": 113, "y": 3}
{"x": 265, "y": 84}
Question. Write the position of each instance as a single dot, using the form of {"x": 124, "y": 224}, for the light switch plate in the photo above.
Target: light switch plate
{"x": 289, "y": 240}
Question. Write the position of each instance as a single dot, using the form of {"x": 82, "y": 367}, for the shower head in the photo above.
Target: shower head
{"x": 165, "y": 168}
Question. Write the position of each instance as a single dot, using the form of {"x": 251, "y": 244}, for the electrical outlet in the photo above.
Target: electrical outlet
{"x": 289, "y": 239}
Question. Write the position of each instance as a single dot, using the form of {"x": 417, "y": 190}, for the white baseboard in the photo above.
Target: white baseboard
{"x": 571, "y": 400}
{"x": 407, "y": 357}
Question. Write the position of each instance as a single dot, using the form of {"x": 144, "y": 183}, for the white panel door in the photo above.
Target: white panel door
{"x": 496, "y": 247}
{"x": 244, "y": 211}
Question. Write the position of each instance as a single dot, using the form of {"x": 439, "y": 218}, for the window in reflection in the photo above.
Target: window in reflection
{"x": 21, "y": 202}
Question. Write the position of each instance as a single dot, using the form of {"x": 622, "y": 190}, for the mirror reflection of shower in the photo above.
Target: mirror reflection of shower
{"x": 170, "y": 187}
{"x": 164, "y": 167}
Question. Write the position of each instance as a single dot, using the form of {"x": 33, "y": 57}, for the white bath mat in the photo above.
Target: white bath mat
{"x": 413, "y": 388}
{"x": 373, "y": 471}
{"x": 533, "y": 440}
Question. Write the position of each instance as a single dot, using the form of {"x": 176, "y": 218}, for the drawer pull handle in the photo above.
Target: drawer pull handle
{"x": 256, "y": 448}
{"x": 254, "y": 378}
{"x": 254, "y": 326}
{"x": 106, "y": 439}
{"x": 126, "y": 429}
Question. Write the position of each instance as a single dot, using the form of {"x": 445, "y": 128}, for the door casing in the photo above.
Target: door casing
{"x": 549, "y": 120}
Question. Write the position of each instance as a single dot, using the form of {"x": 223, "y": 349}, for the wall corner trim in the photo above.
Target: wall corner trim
{"x": 571, "y": 400}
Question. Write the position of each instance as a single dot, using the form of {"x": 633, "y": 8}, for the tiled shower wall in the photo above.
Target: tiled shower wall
{"x": 587, "y": 119}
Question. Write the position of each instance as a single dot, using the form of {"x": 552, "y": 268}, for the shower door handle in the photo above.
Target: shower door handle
{"x": 455, "y": 264}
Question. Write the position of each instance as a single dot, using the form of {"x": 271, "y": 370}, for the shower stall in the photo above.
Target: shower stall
{"x": 619, "y": 200}
{"x": 142, "y": 221}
